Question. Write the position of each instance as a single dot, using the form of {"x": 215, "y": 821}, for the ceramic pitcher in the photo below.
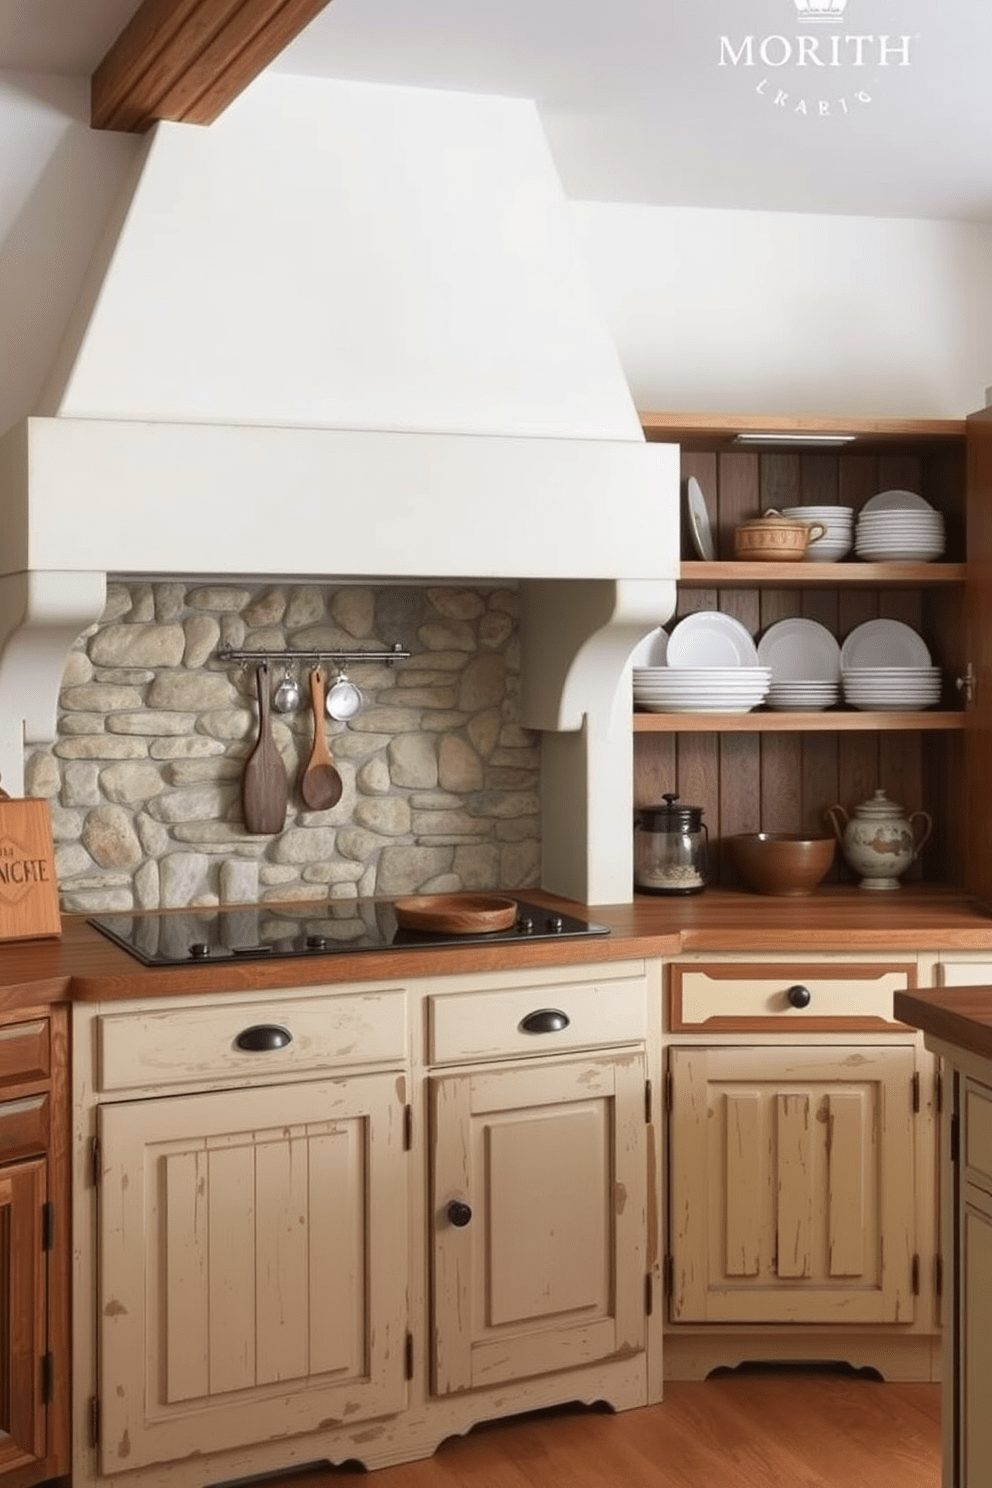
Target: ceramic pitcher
{"x": 879, "y": 840}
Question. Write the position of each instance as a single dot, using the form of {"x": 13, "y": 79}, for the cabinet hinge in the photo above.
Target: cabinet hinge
{"x": 938, "y": 1274}
{"x": 408, "y": 1357}
{"x": 47, "y": 1378}
{"x": 938, "y": 1091}
{"x": 668, "y": 1275}
{"x": 648, "y": 1092}
{"x": 669, "y": 1093}
{"x": 94, "y": 1422}
{"x": 47, "y": 1225}
{"x": 407, "y": 1128}
{"x": 95, "y": 1161}
{"x": 965, "y": 685}
{"x": 915, "y": 1279}
{"x": 916, "y": 1093}
{"x": 648, "y": 1295}
{"x": 955, "y": 1137}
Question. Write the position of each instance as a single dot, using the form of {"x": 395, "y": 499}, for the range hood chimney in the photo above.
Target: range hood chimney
{"x": 344, "y": 333}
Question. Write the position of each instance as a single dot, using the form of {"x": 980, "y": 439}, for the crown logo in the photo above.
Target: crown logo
{"x": 821, "y": 10}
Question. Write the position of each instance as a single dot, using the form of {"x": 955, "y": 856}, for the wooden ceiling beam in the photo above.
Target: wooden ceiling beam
{"x": 186, "y": 60}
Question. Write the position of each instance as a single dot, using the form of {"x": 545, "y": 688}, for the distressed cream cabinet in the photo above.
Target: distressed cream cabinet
{"x": 801, "y": 1166}
{"x": 346, "y": 1223}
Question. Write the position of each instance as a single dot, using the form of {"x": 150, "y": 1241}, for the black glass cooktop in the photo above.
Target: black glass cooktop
{"x": 258, "y": 932}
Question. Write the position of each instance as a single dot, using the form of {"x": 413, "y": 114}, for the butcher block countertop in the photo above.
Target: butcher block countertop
{"x": 958, "y": 1016}
{"x": 82, "y": 965}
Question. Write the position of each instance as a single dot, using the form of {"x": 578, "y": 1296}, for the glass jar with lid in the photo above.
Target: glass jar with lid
{"x": 671, "y": 845}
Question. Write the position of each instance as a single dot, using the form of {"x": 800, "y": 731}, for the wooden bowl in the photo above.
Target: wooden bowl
{"x": 782, "y": 862}
{"x": 456, "y": 914}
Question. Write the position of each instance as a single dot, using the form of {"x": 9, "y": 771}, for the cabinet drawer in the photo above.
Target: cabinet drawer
{"x": 25, "y": 1052}
{"x": 977, "y": 1124}
{"x": 536, "y": 1020}
{"x": 740, "y": 998}
{"x": 191, "y": 1044}
{"x": 24, "y": 1127}
{"x": 965, "y": 974}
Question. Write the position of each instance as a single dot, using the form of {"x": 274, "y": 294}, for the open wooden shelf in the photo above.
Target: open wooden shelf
{"x": 734, "y": 575}
{"x": 720, "y": 430}
{"x": 784, "y": 722}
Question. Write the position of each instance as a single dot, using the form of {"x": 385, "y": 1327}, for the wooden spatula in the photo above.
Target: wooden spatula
{"x": 320, "y": 783}
{"x": 264, "y": 787}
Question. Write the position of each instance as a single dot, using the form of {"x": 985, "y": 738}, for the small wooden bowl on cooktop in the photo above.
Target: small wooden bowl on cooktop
{"x": 456, "y": 914}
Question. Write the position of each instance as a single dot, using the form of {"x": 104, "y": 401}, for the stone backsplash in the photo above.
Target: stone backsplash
{"x": 441, "y": 785}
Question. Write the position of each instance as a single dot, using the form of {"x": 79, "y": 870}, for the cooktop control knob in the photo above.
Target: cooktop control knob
{"x": 199, "y": 950}
{"x": 555, "y": 924}
{"x": 525, "y": 925}
{"x": 316, "y": 942}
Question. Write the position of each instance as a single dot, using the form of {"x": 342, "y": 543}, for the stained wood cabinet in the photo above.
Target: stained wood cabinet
{"x": 34, "y": 1261}
{"x": 779, "y": 771}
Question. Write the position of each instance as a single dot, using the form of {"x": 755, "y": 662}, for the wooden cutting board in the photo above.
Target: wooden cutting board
{"x": 29, "y": 894}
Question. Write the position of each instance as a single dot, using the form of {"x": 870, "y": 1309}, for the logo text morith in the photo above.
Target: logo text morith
{"x": 817, "y": 51}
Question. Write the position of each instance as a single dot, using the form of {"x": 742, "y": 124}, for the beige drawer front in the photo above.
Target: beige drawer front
{"x": 190, "y": 1044}
{"x": 965, "y": 974}
{"x": 742, "y": 999}
{"x": 977, "y": 1142}
{"x": 494, "y": 1025}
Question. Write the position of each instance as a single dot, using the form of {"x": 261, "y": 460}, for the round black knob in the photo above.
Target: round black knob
{"x": 459, "y": 1214}
{"x": 799, "y": 996}
{"x": 316, "y": 942}
{"x": 555, "y": 923}
{"x": 525, "y": 924}
{"x": 199, "y": 949}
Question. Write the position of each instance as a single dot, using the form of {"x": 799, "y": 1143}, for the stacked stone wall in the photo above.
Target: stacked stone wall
{"x": 441, "y": 785}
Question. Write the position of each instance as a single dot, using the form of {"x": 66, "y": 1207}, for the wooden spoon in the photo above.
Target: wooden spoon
{"x": 320, "y": 783}
{"x": 264, "y": 789}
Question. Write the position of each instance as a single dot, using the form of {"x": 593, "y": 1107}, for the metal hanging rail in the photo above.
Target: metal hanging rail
{"x": 226, "y": 652}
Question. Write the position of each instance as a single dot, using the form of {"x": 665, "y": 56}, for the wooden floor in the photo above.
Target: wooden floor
{"x": 749, "y": 1429}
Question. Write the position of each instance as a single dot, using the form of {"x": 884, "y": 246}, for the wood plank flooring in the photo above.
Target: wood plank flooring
{"x": 766, "y": 1428}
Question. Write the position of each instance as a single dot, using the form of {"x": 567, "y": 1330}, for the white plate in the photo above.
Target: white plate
{"x": 896, "y": 501}
{"x": 884, "y": 643}
{"x": 800, "y": 651}
{"x": 711, "y": 639}
{"x": 652, "y": 650}
{"x": 699, "y": 520}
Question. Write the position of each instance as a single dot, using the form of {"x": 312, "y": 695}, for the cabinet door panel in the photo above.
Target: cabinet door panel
{"x": 23, "y": 1315}
{"x": 253, "y": 1248}
{"x": 548, "y": 1272}
{"x": 791, "y": 1174}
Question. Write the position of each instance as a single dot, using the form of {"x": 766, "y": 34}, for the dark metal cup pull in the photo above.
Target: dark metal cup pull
{"x": 263, "y": 1038}
{"x": 459, "y": 1214}
{"x": 799, "y": 996}
{"x": 544, "y": 1020}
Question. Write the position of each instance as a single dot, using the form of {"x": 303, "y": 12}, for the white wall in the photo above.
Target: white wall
{"x": 58, "y": 179}
{"x": 763, "y": 312}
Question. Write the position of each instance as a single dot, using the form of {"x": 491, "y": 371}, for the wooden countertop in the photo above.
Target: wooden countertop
{"x": 959, "y": 1016}
{"x": 83, "y": 965}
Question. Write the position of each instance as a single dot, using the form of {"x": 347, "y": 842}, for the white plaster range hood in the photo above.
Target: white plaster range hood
{"x": 344, "y": 334}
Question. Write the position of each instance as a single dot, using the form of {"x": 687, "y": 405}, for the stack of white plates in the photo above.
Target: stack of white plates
{"x": 899, "y": 527}
{"x": 805, "y": 664}
{"x": 838, "y": 539}
{"x": 712, "y": 668}
{"x": 886, "y": 667}
{"x": 892, "y": 689}
{"x": 700, "y": 689}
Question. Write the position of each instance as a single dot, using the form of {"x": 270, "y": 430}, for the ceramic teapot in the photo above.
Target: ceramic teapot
{"x": 879, "y": 840}
{"x": 772, "y": 537}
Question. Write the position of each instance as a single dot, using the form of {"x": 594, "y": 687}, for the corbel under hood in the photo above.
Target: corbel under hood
{"x": 344, "y": 333}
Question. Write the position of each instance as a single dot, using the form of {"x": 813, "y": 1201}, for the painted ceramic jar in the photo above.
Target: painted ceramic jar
{"x": 879, "y": 840}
